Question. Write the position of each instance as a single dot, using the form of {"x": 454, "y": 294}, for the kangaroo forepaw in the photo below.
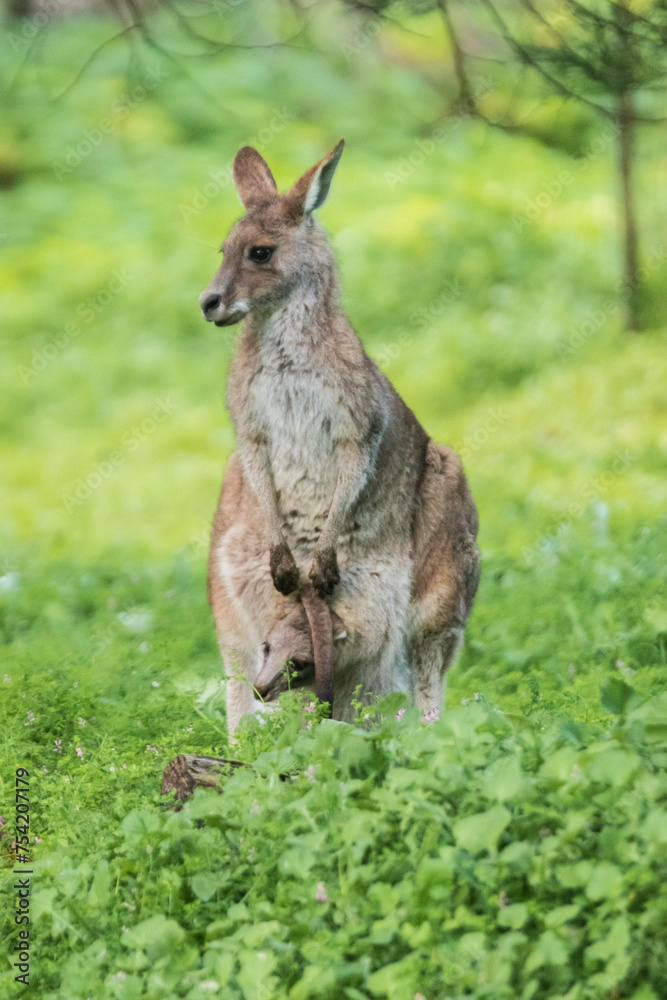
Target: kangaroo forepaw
{"x": 324, "y": 574}
{"x": 284, "y": 571}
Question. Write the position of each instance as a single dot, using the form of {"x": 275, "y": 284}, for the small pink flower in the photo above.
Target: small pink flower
{"x": 152, "y": 749}
{"x": 321, "y": 894}
{"x": 620, "y": 663}
{"x": 81, "y": 721}
{"x": 309, "y": 708}
{"x": 432, "y": 715}
{"x": 125, "y": 765}
{"x": 79, "y": 752}
{"x": 38, "y": 840}
{"x": 58, "y": 748}
{"x": 112, "y": 768}
{"x": 400, "y": 714}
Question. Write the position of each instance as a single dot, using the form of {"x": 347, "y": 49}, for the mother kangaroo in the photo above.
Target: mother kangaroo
{"x": 334, "y": 479}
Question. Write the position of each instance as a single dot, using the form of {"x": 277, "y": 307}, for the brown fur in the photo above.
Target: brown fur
{"x": 289, "y": 652}
{"x": 335, "y": 481}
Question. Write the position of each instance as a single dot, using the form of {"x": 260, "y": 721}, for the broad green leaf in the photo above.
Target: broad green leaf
{"x": 575, "y": 875}
{"x": 654, "y": 827}
{"x": 514, "y": 916}
{"x": 612, "y": 766}
{"x": 504, "y": 779}
{"x": 644, "y": 992}
{"x": 657, "y": 617}
{"x": 615, "y": 942}
{"x": 139, "y": 823}
{"x": 605, "y": 882}
{"x": 549, "y": 950}
{"x": 42, "y": 902}
{"x": 481, "y": 831}
{"x": 156, "y": 936}
{"x": 559, "y": 765}
{"x": 615, "y": 695}
{"x": 561, "y": 914}
{"x": 98, "y": 894}
{"x": 653, "y": 715}
{"x": 206, "y": 884}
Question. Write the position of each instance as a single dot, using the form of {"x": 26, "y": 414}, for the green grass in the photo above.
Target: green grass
{"x": 516, "y": 848}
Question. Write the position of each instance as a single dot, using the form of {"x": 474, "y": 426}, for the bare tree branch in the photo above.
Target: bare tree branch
{"x": 530, "y": 60}
{"x": 91, "y": 59}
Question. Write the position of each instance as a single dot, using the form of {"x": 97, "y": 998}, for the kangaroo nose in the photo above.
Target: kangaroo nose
{"x": 211, "y": 304}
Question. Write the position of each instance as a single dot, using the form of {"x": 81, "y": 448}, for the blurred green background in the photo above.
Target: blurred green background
{"x": 480, "y": 268}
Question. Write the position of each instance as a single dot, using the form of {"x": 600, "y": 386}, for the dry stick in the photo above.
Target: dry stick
{"x": 189, "y": 771}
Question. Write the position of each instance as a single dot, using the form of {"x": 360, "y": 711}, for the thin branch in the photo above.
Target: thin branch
{"x": 465, "y": 90}
{"x": 149, "y": 40}
{"x": 465, "y": 100}
{"x": 215, "y": 46}
{"x": 526, "y": 57}
{"x": 91, "y": 58}
{"x": 382, "y": 15}
{"x": 587, "y": 67}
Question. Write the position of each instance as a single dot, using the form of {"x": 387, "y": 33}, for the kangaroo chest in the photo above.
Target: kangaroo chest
{"x": 301, "y": 415}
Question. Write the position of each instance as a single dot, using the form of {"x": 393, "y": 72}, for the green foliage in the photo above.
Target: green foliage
{"x": 385, "y": 867}
{"x": 517, "y": 847}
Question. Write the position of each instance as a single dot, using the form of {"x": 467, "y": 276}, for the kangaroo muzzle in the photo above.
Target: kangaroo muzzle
{"x": 214, "y": 309}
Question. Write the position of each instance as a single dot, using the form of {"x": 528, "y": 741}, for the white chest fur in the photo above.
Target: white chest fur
{"x": 302, "y": 412}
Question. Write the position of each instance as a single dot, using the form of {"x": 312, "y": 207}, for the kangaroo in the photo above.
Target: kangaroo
{"x": 334, "y": 481}
{"x": 299, "y": 651}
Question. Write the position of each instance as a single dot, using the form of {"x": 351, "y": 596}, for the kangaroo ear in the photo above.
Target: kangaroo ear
{"x": 253, "y": 179}
{"x": 311, "y": 190}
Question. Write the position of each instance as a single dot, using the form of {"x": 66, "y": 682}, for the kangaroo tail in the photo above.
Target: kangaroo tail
{"x": 319, "y": 620}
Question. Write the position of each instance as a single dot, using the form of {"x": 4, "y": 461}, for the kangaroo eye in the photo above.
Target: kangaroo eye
{"x": 266, "y": 648}
{"x": 260, "y": 254}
